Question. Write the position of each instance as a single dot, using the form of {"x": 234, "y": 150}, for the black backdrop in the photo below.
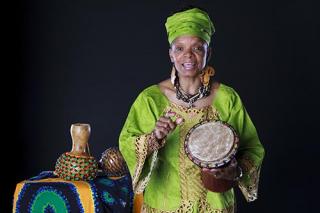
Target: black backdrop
{"x": 86, "y": 61}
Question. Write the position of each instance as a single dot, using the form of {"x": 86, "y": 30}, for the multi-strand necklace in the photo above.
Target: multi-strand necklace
{"x": 203, "y": 91}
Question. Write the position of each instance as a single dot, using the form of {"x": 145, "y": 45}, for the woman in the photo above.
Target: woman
{"x": 152, "y": 138}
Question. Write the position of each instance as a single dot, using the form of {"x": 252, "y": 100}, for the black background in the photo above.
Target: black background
{"x": 86, "y": 61}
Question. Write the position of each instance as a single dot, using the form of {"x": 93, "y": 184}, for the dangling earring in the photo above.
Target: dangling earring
{"x": 205, "y": 76}
{"x": 173, "y": 75}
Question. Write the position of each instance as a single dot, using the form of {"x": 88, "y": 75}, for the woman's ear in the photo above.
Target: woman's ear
{"x": 170, "y": 55}
{"x": 209, "y": 54}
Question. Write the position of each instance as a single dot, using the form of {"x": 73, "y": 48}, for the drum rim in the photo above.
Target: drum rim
{"x": 216, "y": 163}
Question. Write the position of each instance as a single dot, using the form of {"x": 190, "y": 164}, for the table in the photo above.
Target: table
{"x": 48, "y": 193}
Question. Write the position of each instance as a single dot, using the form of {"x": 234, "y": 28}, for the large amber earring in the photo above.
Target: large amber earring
{"x": 173, "y": 75}
{"x": 206, "y": 75}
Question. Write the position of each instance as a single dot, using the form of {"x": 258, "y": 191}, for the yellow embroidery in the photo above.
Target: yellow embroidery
{"x": 184, "y": 208}
{"x": 141, "y": 155}
{"x": 249, "y": 190}
{"x": 187, "y": 206}
{"x": 192, "y": 189}
{"x": 193, "y": 193}
{"x": 205, "y": 207}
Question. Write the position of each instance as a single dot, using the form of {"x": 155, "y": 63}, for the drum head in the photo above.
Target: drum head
{"x": 211, "y": 144}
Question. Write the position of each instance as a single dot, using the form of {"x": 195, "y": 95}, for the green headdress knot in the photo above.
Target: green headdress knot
{"x": 190, "y": 22}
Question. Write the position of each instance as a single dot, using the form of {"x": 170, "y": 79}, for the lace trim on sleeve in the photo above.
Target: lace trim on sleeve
{"x": 248, "y": 184}
{"x": 141, "y": 145}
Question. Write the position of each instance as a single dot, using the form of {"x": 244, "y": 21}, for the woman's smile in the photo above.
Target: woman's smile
{"x": 189, "y": 65}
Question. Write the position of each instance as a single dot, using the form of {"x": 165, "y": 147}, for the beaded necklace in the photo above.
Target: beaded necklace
{"x": 203, "y": 91}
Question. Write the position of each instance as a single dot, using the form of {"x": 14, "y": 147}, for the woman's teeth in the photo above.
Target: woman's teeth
{"x": 188, "y": 65}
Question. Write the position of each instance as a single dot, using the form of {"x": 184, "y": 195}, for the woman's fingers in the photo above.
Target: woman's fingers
{"x": 165, "y": 124}
{"x": 220, "y": 173}
{"x": 217, "y": 173}
{"x": 233, "y": 163}
{"x": 179, "y": 119}
{"x": 163, "y": 129}
{"x": 164, "y": 119}
{"x": 159, "y": 134}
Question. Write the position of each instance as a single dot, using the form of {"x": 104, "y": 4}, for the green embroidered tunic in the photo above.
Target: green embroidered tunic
{"x": 169, "y": 180}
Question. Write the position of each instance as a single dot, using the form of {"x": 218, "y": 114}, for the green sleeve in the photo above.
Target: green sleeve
{"x": 133, "y": 140}
{"x": 251, "y": 151}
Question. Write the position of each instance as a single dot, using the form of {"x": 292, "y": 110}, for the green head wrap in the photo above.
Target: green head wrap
{"x": 190, "y": 22}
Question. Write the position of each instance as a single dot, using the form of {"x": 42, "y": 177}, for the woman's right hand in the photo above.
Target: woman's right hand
{"x": 165, "y": 125}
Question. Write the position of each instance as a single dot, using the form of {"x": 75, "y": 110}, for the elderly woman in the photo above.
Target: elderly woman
{"x": 152, "y": 139}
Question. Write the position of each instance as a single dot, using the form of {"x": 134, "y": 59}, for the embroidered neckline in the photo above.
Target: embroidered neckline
{"x": 186, "y": 109}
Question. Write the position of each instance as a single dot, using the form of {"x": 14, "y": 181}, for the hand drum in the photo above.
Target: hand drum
{"x": 212, "y": 144}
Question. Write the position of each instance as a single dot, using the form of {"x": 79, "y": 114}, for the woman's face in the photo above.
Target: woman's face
{"x": 189, "y": 54}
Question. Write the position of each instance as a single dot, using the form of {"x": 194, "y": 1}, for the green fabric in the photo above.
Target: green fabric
{"x": 46, "y": 199}
{"x": 190, "y": 22}
{"x": 145, "y": 111}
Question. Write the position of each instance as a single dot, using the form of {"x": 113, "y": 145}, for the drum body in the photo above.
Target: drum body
{"x": 212, "y": 144}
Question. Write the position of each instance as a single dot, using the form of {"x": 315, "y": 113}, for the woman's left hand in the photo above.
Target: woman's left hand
{"x": 229, "y": 172}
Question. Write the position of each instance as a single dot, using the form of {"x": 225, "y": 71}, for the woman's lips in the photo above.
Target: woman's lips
{"x": 189, "y": 65}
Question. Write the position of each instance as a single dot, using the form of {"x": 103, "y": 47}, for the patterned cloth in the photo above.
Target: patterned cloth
{"x": 47, "y": 193}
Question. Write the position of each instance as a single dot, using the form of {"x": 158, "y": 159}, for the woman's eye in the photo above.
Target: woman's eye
{"x": 178, "y": 49}
{"x": 198, "y": 49}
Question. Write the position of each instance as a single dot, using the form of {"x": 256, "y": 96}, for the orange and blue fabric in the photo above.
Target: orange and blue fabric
{"x": 47, "y": 193}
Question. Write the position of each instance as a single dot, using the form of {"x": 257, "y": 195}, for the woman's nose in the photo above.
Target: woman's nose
{"x": 188, "y": 53}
